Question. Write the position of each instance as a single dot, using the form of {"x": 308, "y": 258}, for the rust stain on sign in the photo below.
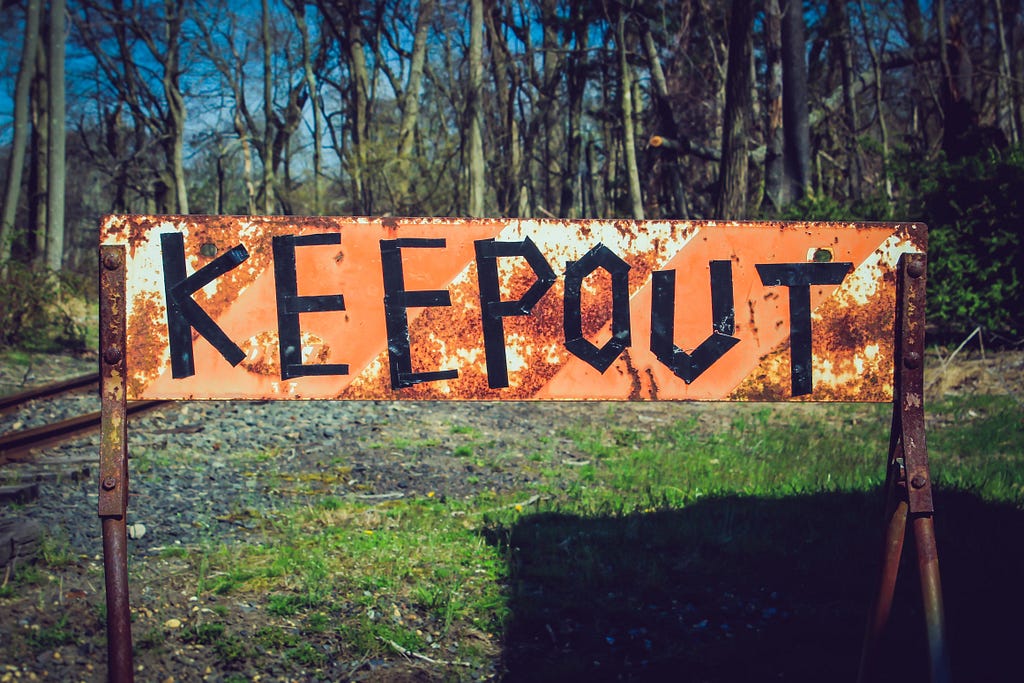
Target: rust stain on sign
{"x": 422, "y": 308}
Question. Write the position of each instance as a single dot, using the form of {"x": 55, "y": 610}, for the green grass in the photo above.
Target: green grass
{"x": 667, "y": 548}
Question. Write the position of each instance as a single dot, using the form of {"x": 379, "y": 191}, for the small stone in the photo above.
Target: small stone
{"x": 136, "y": 531}
{"x": 172, "y": 623}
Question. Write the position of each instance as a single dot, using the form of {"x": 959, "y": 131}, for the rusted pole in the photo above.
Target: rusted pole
{"x": 931, "y": 596}
{"x": 908, "y": 484}
{"x": 113, "y": 495}
{"x": 881, "y": 606}
{"x": 119, "y": 629}
{"x": 911, "y": 278}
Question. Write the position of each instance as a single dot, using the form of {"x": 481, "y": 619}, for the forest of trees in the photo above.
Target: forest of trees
{"x": 520, "y": 108}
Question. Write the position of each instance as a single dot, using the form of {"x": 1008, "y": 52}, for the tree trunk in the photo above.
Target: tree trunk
{"x": 883, "y": 131}
{"x": 509, "y": 156}
{"x": 268, "y": 113}
{"x": 250, "y": 186}
{"x": 732, "y": 175}
{"x": 774, "y": 173}
{"x": 16, "y": 163}
{"x": 174, "y": 125}
{"x": 628, "y": 134}
{"x": 844, "y": 45}
{"x": 1005, "y": 118}
{"x": 39, "y": 163}
{"x": 476, "y": 74}
{"x": 359, "y": 105}
{"x": 55, "y": 176}
{"x": 576, "y": 80}
{"x": 298, "y": 11}
{"x": 795, "y": 126}
{"x": 550, "y": 110}
{"x": 668, "y": 121}
{"x": 411, "y": 108}
{"x": 959, "y": 122}
{"x": 115, "y": 150}
{"x": 219, "y": 191}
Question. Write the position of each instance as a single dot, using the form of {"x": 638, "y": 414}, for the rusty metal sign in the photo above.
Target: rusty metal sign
{"x": 415, "y": 308}
{"x": 423, "y": 308}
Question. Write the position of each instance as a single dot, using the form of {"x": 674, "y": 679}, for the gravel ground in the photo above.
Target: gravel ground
{"x": 187, "y": 488}
{"x": 363, "y": 439}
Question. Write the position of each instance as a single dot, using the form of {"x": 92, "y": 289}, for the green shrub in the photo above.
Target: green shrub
{"x": 37, "y": 309}
{"x": 975, "y": 214}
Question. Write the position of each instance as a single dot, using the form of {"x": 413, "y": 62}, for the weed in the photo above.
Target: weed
{"x": 659, "y": 525}
{"x": 174, "y": 552}
{"x": 306, "y": 654}
{"x": 275, "y": 638}
{"x": 55, "y": 550}
{"x": 53, "y": 636}
{"x": 208, "y": 633}
{"x": 288, "y": 605}
{"x": 317, "y": 622}
{"x": 150, "y": 639}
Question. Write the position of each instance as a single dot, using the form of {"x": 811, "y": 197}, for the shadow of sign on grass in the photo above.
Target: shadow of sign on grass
{"x": 743, "y": 589}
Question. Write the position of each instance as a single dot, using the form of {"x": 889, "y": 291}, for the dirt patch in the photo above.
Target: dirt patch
{"x": 53, "y": 627}
{"x": 975, "y": 372}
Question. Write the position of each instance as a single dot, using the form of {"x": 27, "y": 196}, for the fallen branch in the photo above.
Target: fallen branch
{"x": 416, "y": 655}
{"x": 947, "y": 361}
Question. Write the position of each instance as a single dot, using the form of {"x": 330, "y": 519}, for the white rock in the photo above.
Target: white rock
{"x": 137, "y": 530}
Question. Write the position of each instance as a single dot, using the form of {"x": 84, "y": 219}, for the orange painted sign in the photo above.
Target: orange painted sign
{"x": 422, "y": 308}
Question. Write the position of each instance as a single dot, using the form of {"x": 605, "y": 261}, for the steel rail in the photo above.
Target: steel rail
{"x": 17, "y": 446}
{"x": 13, "y": 401}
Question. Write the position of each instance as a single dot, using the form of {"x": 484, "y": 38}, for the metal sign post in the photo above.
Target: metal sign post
{"x": 284, "y": 308}
{"x": 908, "y": 484}
{"x": 113, "y": 500}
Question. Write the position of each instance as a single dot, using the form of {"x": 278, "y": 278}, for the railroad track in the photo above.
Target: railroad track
{"x": 21, "y": 445}
{"x": 15, "y": 401}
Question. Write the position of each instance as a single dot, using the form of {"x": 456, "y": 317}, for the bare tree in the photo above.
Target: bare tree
{"x": 411, "y": 106}
{"x": 773, "y": 160}
{"x": 840, "y": 19}
{"x": 298, "y": 11}
{"x": 16, "y": 162}
{"x": 636, "y": 201}
{"x": 56, "y": 167}
{"x": 795, "y": 125}
{"x": 346, "y": 23}
{"x": 474, "y": 96}
{"x": 732, "y": 178}
{"x": 112, "y": 33}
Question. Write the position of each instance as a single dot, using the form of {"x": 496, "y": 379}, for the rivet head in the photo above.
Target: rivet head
{"x": 112, "y": 355}
{"x": 915, "y": 269}
{"x": 112, "y": 260}
{"x": 918, "y": 481}
{"x": 109, "y": 484}
{"x": 912, "y": 360}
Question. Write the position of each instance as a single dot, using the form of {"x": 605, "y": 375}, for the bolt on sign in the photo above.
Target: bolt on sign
{"x": 427, "y": 308}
